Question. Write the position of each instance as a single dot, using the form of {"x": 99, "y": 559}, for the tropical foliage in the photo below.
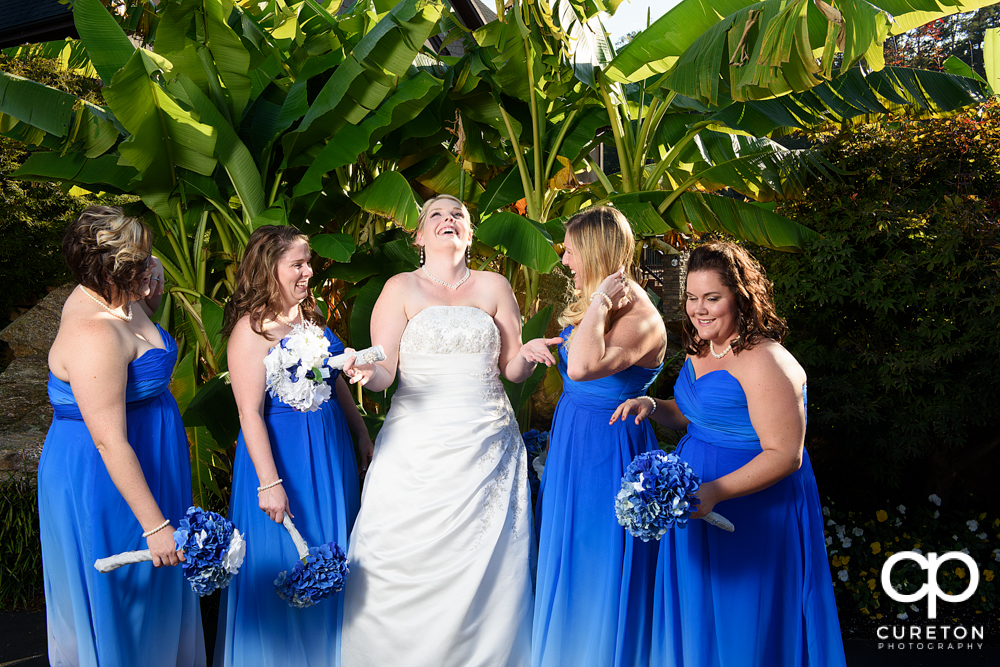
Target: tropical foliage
{"x": 340, "y": 121}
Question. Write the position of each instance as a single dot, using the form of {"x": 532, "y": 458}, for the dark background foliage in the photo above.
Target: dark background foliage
{"x": 895, "y": 312}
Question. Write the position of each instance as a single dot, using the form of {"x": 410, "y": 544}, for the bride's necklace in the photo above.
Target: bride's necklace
{"x": 448, "y": 285}
{"x": 711, "y": 348}
{"x": 127, "y": 308}
{"x": 288, "y": 323}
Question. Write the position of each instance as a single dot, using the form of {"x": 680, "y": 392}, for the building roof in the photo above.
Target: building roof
{"x": 33, "y": 21}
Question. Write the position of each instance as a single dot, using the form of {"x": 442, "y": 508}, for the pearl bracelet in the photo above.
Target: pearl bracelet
{"x": 268, "y": 486}
{"x": 157, "y": 529}
{"x": 607, "y": 299}
{"x": 652, "y": 402}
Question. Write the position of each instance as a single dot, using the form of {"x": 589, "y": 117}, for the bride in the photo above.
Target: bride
{"x": 442, "y": 550}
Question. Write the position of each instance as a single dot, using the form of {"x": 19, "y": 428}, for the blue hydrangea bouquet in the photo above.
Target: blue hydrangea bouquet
{"x": 318, "y": 574}
{"x": 658, "y": 492}
{"x": 213, "y": 551}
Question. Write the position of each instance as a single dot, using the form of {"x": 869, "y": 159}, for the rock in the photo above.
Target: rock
{"x": 25, "y": 413}
{"x": 32, "y": 334}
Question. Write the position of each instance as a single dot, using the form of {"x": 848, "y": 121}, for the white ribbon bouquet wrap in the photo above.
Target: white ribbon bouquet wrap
{"x": 299, "y": 367}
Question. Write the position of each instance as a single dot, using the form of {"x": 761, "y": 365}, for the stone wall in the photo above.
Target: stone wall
{"x": 25, "y": 413}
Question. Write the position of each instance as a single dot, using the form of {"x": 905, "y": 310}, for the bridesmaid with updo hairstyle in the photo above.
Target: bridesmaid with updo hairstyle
{"x": 114, "y": 474}
{"x": 287, "y": 462}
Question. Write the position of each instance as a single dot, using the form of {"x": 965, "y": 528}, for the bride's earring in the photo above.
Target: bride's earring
{"x": 422, "y": 257}
{"x": 468, "y": 255}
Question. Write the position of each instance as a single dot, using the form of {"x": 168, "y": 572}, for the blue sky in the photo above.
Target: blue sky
{"x": 631, "y": 15}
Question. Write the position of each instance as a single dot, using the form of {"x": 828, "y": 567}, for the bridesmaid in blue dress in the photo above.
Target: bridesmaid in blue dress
{"x": 593, "y": 599}
{"x": 299, "y": 463}
{"x": 114, "y": 472}
{"x": 760, "y": 596}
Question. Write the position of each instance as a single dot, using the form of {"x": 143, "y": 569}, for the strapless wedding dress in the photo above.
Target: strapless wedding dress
{"x": 441, "y": 554}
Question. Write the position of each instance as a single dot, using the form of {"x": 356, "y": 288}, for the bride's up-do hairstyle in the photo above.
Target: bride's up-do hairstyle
{"x": 602, "y": 240}
{"x": 257, "y": 291}
{"x": 756, "y": 318}
{"x": 107, "y": 250}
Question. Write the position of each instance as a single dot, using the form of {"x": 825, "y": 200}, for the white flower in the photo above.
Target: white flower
{"x": 996, "y": 555}
{"x": 966, "y": 551}
{"x": 936, "y": 514}
{"x": 826, "y": 511}
{"x": 539, "y": 463}
{"x": 983, "y": 536}
{"x": 304, "y": 349}
{"x": 840, "y": 531}
{"x": 200, "y": 538}
{"x": 897, "y": 523}
{"x": 846, "y": 542}
{"x": 934, "y": 498}
{"x": 829, "y": 541}
{"x": 831, "y": 522}
{"x": 972, "y": 524}
{"x": 902, "y": 616}
{"x": 842, "y": 575}
{"x": 858, "y": 532}
{"x": 918, "y": 551}
{"x": 235, "y": 553}
{"x": 955, "y": 537}
{"x": 902, "y": 509}
{"x": 914, "y": 607}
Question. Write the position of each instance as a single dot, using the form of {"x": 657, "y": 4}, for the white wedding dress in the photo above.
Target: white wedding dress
{"x": 442, "y": 552}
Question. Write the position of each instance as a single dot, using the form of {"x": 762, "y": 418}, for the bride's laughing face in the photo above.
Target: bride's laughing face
{"x": 293, "y": 274}
{"x": 446, "y": 226}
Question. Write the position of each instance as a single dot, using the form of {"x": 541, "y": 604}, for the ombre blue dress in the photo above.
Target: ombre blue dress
{"x": 594, "y": 592}
{"x": 137, "y": 614}
{"x": 761, "y": 596}
{"x": 314, "y": 455}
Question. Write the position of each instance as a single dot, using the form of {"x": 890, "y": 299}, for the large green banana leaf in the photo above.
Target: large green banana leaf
{"x": 75, "y": 168}
{"x": 107, "y": 44}
{"x": 522, "y": 240}
{"x": 71, "y": 54}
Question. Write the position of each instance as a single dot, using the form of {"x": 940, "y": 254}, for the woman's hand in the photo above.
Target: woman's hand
{"x": 615, "y": 286}
{"x": 161, "y": 546}
{"x": 707, "y": 499}
{"x": 536, "y": 351}
{"x": 365, "y": 452}
{"x": 274, "y": 502}
{"x": 361, "y": 373}
{"x": 642, "y": 407}
{"x": 155, "y": 277}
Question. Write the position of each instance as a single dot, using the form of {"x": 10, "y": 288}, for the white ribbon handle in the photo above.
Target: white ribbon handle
{"x": 105, "y": 565}
{"x": 720, "y": 521}
{"x": 300, "y": 543}
{"x": 369, "y": 355}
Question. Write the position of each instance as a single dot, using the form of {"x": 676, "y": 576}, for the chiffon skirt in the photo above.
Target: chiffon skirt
{"x": 314, "y": 454}
{"x": 593, "y": 599}
{"x": 761, "y": 596}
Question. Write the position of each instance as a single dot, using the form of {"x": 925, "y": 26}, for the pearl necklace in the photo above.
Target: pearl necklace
{"x": 711, "y": 348}
{"x": 448, "y": 285}
{"x": 279, "y": 318}
{"x": 127, "y": 308}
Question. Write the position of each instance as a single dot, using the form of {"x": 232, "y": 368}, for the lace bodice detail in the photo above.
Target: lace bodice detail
{"x": 451, "y": 330}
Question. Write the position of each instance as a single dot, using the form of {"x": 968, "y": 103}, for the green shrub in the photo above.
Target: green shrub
{"x": 20, "y": 548}
{"x": 895, "y": 311}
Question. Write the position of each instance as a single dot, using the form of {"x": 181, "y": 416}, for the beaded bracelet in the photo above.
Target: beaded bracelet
{"x": 157, "y": 529}
{"x": 652, "y": 401}
{"x": 268, "y": 486}
{"x": 607, "y": 299}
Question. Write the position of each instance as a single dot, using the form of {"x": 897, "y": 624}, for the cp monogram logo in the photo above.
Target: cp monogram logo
{"x": 930, "y": 590}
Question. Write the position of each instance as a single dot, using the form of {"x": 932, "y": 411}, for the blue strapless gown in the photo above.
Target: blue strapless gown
{"x": 593, "y": 596}
{"x": 314, "y": 454}
{"x": 761, "y": 596}
{"x": 137, "y": 614}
